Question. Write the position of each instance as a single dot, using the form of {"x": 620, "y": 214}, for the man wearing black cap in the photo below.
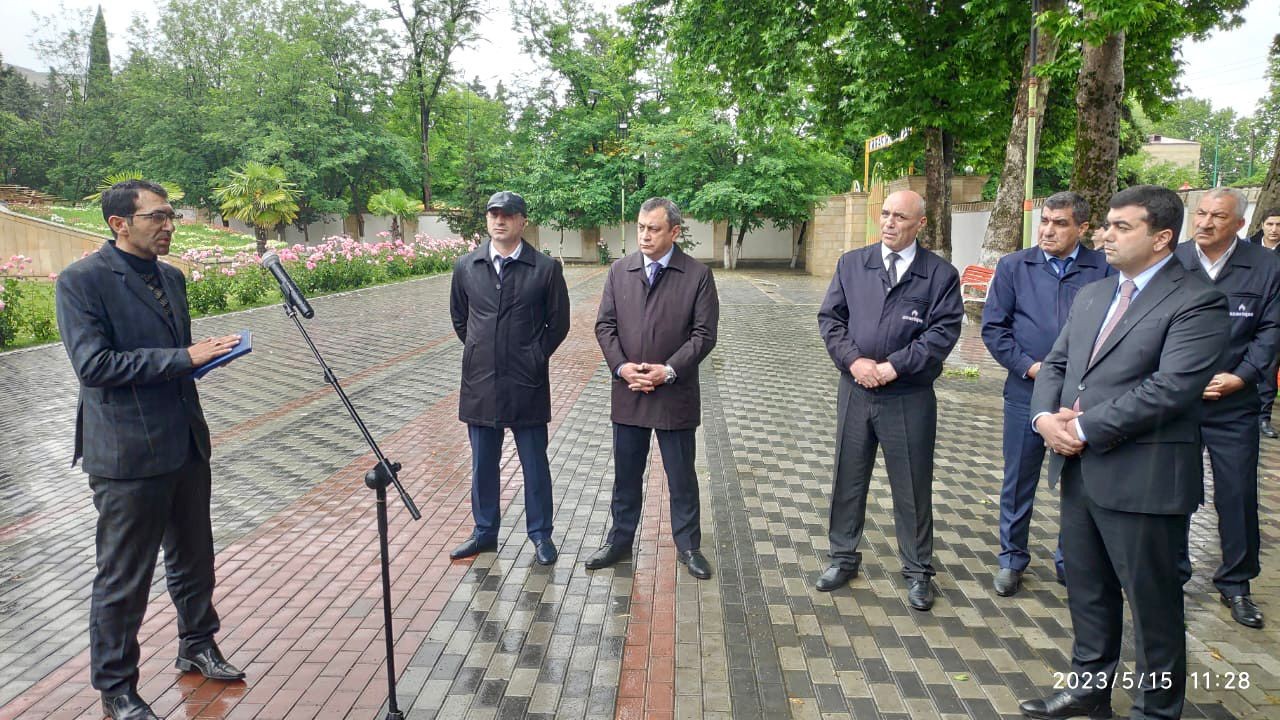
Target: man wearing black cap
{"x": 510, "y": 308}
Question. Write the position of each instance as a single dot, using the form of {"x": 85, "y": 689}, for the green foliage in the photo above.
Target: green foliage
{"x": 26, "y": 306}
{"x": 98, "y": 79}
{"x": 259, "y": 195}
{"x": 396, "y": 204}
{"x": 174, "y": 190}
{"x": 1143, "y": 169}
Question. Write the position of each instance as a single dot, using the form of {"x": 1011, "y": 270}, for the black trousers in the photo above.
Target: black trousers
{"x": 1232, "y": 440}
{"x": 1111, "y": 555}
{"x": 630, "y": 456}
{"x": 905, "y": 426}
{"x": 135, "y": 519}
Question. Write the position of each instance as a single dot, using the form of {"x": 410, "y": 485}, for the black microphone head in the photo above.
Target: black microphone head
{"x": 269, "y": 258}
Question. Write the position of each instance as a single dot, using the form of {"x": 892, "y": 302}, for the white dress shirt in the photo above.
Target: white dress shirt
{"x": 905, "y": 256}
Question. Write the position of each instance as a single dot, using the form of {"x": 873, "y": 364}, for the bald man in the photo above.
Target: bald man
{"x": 890, "y": 317}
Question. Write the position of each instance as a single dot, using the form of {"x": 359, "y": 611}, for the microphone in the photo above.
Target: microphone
{"x": 288, "y": 287}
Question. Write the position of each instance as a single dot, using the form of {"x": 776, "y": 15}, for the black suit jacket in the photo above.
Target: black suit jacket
{"x": 1141, "y": 395}
{"x": 139, "y": 410}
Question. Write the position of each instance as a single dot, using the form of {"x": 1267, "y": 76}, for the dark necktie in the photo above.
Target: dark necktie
{"x": 655, "y": 270}
{"x": 1060, "y": 265}
{"x": 157, "y": 289}
{"x": 503, "y": 262}
{"x": 893, "y": 268}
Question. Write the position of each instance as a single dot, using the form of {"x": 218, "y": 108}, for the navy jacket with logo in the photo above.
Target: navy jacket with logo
{"x": 1251, "y": 281}
{"x": 914, "y": 325}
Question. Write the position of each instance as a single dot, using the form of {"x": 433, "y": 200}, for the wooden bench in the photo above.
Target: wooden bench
{"x": 974, "y": 283}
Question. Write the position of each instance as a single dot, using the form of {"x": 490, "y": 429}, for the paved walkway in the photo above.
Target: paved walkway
{"x": 500, "y": 636}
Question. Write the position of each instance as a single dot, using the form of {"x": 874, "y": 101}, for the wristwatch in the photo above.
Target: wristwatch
{"x": 671, "y": 374}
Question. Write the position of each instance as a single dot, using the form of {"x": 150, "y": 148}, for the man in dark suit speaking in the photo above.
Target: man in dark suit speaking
{"x": 1117, "y": 400}
{"x": 140, "y": 429}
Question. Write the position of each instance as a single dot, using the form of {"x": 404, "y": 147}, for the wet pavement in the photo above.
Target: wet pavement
{"x": 502, "y": 637}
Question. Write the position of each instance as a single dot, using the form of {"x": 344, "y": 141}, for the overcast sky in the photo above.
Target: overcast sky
{"x": 1228, "y": 69}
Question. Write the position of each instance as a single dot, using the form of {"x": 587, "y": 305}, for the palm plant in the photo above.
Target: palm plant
{"x": 175, "y": 192}
{"x": 261, "y": 196}
{"x": 398, "y": 205}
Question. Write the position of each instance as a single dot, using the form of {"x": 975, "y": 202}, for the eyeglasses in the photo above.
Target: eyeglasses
{"x": 159, "y": 216}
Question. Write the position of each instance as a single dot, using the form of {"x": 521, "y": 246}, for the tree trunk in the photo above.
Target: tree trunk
{"x": 737, "y": 247}
{"x": 728, "y": 246}
{"x": 1099, "y": 98}
{"x": 395, "y": 228}
{"x": 424, "y": 127}
{"x": 798, "y": 245}
{"x": 1269, "y": 197}
{"x": 939, "y": 158}
{"x": 1004, "y": 229}
{"x": 260, "y": 234}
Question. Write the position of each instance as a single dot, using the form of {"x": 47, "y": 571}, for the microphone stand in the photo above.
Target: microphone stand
{"x": 377, "y": 479}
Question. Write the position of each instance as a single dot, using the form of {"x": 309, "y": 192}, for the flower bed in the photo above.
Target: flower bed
{"x": 230, "y": 281}
{"x": 26, "y": 306}
{"x": 338, "y": 263}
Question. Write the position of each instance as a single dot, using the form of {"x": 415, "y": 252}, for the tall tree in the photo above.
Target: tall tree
{"x": 1131, "y": 44}
{"x": 98, "y": 81}
{"x": 1269, "y": 107}
{"x": 434, "y": 31}
{"x": 1004, "y": 228}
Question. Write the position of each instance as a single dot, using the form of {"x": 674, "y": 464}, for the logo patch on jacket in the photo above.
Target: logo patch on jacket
{"x": 1241, "y": 312}
{"x": 914, "y": 317}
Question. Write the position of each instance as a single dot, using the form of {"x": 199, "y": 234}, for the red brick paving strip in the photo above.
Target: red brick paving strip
{"x": 300, "y": 596}
{"x": 646, "y": 688}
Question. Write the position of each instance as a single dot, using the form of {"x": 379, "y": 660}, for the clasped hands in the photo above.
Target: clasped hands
{"x": 870, "y": 374}
{"x": 643, "y": 377}
{"x": 1058, "y": 433}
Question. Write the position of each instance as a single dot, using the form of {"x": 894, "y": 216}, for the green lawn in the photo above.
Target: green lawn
{"x": 190, "y": 234}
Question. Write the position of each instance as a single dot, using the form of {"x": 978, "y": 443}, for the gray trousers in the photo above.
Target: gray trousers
{"x": 905, "y": 426}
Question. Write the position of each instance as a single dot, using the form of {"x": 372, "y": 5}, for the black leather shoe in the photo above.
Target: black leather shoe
{"x": 920, "y": 594}
{"x": 127, "y": 707}
{"x": 1066, "y": 705}
{"x": 835, "y": 577}
{"x": 1264, "y": 426}
{"x": 545, "y": 551}
{"x": 1243, "y": 610}
{"x": 473, "y": 546}
{"x": 607, "y": 555}
{"x": 210, "y": 663}
{"x": 697, "y": 564}
{"x": 1007, "y": 582}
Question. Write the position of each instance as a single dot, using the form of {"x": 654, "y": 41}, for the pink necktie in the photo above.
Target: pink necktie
{"x": 1127, "y": 289}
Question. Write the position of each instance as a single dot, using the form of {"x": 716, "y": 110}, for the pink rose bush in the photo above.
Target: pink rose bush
{"x": 26, "y": 304}
{"x": 337, "y": 263}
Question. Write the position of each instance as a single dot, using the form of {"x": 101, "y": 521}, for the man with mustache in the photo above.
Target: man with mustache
{"x": 1249, "y": 275}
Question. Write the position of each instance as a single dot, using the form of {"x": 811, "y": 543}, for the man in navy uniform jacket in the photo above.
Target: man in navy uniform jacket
{"x": 1249, "y": 275}
{"x": 890, "y": 317}
{"x": 1026, "y": 308}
